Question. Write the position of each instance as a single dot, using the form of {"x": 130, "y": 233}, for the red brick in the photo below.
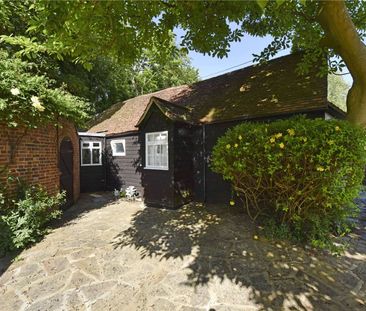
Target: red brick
{"x": 36, "y": 155}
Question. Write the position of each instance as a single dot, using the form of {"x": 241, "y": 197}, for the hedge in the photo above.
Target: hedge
{"x": 300, "y": 173}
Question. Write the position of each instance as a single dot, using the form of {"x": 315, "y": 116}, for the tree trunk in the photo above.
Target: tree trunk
{"x": 342, "y": 34}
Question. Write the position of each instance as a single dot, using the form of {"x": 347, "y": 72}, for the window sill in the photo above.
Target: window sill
{"x": 156, "y": 168}
{"x": 91, "y": 164}
{"x": 119, "y": 155}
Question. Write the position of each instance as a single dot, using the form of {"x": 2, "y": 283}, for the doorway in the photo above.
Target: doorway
{"x": 66, "y": 171}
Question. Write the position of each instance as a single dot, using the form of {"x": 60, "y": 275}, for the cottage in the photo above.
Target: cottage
{"x": 161, "y": 142}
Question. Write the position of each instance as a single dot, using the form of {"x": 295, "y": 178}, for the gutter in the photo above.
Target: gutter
{"x": 120, "y": 134}
{"x": 204, "y": 161}
{"x": 91, "y": 134}
{"x": 338, "y": 111}
{"x": 104, "y": 158}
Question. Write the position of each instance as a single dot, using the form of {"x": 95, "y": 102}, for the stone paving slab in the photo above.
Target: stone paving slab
{"x": 123, "y": 256}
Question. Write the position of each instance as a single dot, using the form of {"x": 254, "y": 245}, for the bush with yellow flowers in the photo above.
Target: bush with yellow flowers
{"x": 300, "y": 173}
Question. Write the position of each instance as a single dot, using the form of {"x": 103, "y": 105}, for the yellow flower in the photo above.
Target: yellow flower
{"x": 236, "y": 145}
{"x": 337, "y": 128}
{"x": 255, "y": 237}
{"x": 232, "y": 203}
{"x": 278, "y": 135}
{"x": 291, "y": 132}
{"x": 282, "y": 145}
{"x": 228, "y": 146}
{"x": 239, "y": 137}
{"x": 320, "y": 169}
{"x": 272, "y": 140}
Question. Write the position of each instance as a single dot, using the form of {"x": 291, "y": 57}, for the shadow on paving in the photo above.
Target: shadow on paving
{"x": 221, "y": 245}
{"x": 86, "y": 203}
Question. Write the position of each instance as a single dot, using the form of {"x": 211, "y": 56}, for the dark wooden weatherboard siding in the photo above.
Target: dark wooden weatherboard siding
{"x": 158, "y": 184}
{"x": 198, "y": 163}
{"x": 183, "y": 164}
{"x": 92, "y": 178}
{"x": 124, "y": 171}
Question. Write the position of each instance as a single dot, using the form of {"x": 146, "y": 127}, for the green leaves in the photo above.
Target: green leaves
{"x": 280, "y": 2}
{"x": 26, "y": 221}
{"x": 300, "y": 172}
{"x": 29, "y": 99}
{"x": 262, "y": 3}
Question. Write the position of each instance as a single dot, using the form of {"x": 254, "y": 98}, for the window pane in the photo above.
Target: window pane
{"x": 164, "y": 155}
{"x": 96, "y": 154}
{"x": 119, "y": 148}
{"x": 162, "y": 137}
{"x": 151, "y": 137}
{"x": 150, "y": 155}
{"x": 157, "y": 155}
{"x": 150, "y": 150}
{"x": 164, "y": 161}
{"x": 85, "y": 144}
{"x": 85, "y": 156}
{"x": 149, "y": 160}
{"x": 157, "y": 150}
{"x": 95, "y": 144}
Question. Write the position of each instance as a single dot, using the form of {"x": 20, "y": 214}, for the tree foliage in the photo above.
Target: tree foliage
{"x": 149, "y": 75}
{"x": 29, "y": 99}
{"x": 85, "y": 30}
{"x": 126, "y": 29}
{"x": 104, "y": 79}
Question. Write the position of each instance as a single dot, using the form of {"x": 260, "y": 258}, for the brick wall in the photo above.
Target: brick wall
{"x": 36, "y": 154}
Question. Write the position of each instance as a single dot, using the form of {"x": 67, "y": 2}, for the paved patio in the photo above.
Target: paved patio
{"x": 122, "y": 256}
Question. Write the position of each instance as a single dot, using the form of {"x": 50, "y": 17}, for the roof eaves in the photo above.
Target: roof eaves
{"x": 341, "y": 113}
{"x": 145, "y": 113}
{"x": 163, "y": 106}
{"x": 126, "y": 133}
{"x": 264, "y": 115}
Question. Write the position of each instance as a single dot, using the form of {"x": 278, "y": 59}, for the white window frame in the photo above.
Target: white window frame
{"x": 113, "y": 146}
{"x": 91, "y": 147}
{"x": 149, "y": 167}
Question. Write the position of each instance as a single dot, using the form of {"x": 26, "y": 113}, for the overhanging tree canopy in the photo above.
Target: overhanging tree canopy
{"x": 106, "y": 80}
{"x": 125, "y": 29}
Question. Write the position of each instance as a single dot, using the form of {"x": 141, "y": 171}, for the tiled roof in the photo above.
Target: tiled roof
{"x": 123, "y": 117}
{"x": 259, "y": 90}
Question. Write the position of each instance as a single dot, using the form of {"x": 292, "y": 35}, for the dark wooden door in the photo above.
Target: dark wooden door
{"x": 66, "y": 170}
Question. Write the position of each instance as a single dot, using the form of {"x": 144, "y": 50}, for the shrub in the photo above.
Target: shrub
{"x": 303, "y": 174}
{"x": 26, "y": 222}
{"x": 29, "y": 99}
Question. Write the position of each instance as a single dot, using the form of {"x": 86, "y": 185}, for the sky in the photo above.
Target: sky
{"x": 240, "y": 52}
